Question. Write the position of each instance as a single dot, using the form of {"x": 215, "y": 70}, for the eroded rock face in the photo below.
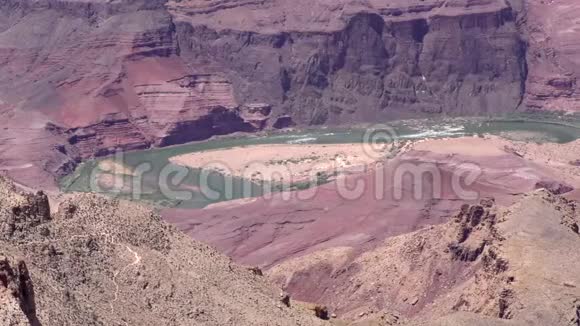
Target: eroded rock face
{"x": 369, "y": 65}
{"x": 22, "y": 218}
{"x": 436, "y": 271}
{"x": 554, "y": 187}
{"x": 82, "y": 79}
{"x": 553, "y": 54}
{"x": 475, "y": 230}
{"x": 16, "y": 287}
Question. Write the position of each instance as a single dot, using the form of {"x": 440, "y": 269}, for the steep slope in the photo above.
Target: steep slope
{"x": 84, "y": 78}
{"x": 17, "y": 304}
{"x": 351, "y": 61}
{"x": 104, "y": 262}
{"x": 487, "y": 266}
{"x": 552, "y": 29}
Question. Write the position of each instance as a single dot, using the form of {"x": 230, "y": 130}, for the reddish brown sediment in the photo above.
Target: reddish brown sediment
{"x": 417, "y": 259}
{"x": 268, "y": 231}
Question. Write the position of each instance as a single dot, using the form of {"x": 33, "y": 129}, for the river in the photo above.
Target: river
{"x": 156, "y": 161}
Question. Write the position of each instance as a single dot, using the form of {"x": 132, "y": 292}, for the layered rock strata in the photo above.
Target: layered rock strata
{"x": 80, "y": 79}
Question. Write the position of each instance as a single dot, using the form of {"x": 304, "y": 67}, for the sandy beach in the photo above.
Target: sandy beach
{"x": 294, "y": 163}
{"x": 471, "y": 146}
{"x": 283, "y": 162}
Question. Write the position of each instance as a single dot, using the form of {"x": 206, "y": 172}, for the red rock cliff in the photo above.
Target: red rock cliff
{"x": 86, "y": 78}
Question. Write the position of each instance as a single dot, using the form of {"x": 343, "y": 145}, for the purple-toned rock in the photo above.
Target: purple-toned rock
{"x": 87, "y": 78}
{"x": 554, "y": 187}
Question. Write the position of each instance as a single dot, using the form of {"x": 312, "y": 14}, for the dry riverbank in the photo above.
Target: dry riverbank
{"x": 283, "y": 162}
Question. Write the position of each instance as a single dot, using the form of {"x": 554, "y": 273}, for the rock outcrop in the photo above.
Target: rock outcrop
{"x": 16, "y": 294}
{"x": 557, "y": 188}
{"x": 104, "y": 262}
{"x": 553, "y": 59}
{"x": 487, "y": 266}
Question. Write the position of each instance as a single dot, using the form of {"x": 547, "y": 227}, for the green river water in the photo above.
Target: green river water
{"x": 557, "y": 129}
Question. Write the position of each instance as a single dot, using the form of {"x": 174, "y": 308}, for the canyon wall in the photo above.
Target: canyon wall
{"x": 373, "y": 68}
{"x": 80, "y": 79}
{"x": 552, "y": 31}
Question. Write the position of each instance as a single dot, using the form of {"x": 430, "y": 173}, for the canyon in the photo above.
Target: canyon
{"x": 93, "y": 260}
{"x": 86, "y": 79}
{"x": 80, "y": 79}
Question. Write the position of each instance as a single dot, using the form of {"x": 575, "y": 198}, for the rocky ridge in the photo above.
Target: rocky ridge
{"x": 103, "y": 262}
{"x": 487, "y": 266}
